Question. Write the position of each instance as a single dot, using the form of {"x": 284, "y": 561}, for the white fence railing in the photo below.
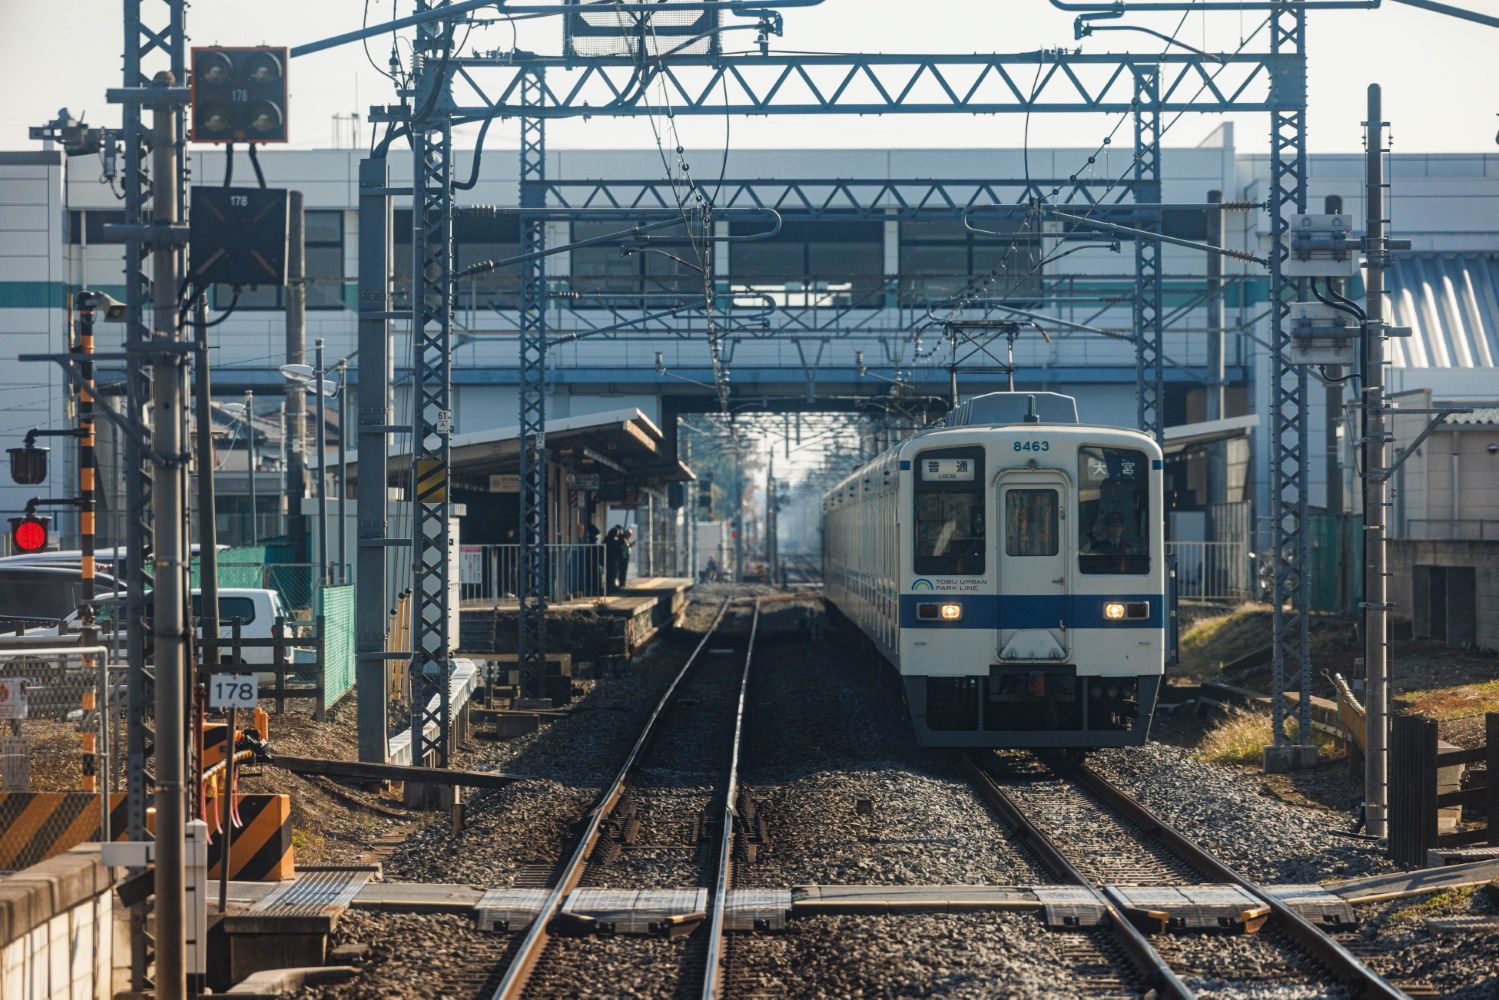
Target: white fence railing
{"x": 1211, "y": 571}
{"x": 492, "y": 572}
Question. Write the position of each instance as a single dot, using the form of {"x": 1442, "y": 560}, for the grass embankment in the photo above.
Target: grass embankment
{"x": 1242, "y": 737}
{"x": 1460, "y": 702}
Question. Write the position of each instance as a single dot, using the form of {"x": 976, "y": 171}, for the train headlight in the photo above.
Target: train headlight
{"x": 931, "y": 611}
{"x": 1118, "y": 611}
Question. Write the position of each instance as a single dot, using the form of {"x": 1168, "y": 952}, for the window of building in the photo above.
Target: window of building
{"x": 668, "y": 271}
{"x": 828, "y": 262}
{"x": 940, "y": 258}
{"x": 88, "y": 227}
{"x": 1031, "y": 518}
{"x": 323, "y": 257}
{"x": 477, "y": 236}
{"x": 1114, "y": 510}
{"x": 949, "y": 512}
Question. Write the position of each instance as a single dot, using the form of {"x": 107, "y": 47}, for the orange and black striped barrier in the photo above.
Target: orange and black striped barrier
{"x": 35, "y": 826}
{"x": 261, "y": 849}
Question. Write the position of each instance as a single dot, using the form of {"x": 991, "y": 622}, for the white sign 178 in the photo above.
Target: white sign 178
{"x": 233, "y": 691}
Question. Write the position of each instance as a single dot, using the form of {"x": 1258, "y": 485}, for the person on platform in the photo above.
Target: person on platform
{"x": 627, "y": 542}
{"x": 614, "y": 560}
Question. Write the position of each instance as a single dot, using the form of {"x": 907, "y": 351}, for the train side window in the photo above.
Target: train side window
{"x": 949, "y": 513}
{"x": 1113, "y": 511}
{"x": 1031, "y": 518}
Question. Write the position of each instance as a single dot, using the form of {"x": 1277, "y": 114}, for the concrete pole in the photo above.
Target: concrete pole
{"x": 208, "y": 536}
{"x": 170, "y": 558}
{"x": 1376, "y": 485}
{"x": 1333, "y": 205}
{"x": 343, "y": 471}
{"x": 320, "y": 439}
{"x": 1217, "y": 451}
{"x": 250, "y": 460}
{"x": 371, "y": 613}
{"x": 295, "y": 429}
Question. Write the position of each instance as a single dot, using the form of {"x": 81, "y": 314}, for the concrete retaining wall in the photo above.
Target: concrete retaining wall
{"x": 1413, "y": 605}
{"x": 56, "y": 929}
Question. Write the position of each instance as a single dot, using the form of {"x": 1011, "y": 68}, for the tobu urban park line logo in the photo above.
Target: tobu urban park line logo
{"x": 922, "y": 583}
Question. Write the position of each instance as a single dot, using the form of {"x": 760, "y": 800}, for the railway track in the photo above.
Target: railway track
{"x": 1091, "y": 833}
{"x": 652, "y": 826}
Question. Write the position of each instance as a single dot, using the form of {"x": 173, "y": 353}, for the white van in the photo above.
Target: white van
{"x": 257, "y": 609}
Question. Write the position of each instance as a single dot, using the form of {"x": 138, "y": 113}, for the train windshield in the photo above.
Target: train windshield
{"x": 950, "y": 513}
{"x": 1114, "y": 511}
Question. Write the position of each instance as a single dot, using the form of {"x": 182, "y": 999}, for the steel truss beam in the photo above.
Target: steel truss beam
{"x": 1149, "y": 314}
{"x": 531, "y": 633}
{"x": 812, "y": 198}
{"x": 432, "y": 327}
{"x": 1288, "y": 388}
{"x": 860, "y": 84}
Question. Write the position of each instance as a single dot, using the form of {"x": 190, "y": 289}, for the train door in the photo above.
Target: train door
{"x": 1033, "y": 565}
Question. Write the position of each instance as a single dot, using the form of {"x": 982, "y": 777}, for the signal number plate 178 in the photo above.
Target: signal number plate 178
{"x": 1032, "y": 445}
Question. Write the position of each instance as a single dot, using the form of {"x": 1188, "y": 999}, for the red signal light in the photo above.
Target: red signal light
{"x": 28, "y": 534}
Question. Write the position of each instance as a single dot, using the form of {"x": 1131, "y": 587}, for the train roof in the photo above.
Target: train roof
{"x": 998, "y": 408}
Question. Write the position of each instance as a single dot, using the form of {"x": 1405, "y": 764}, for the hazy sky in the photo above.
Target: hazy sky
{"x": 1441, "y": 91}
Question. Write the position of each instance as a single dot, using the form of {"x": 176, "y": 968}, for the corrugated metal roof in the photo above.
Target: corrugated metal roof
{"x": 1451, "y": 303}
{"x": 1482, "y": 416}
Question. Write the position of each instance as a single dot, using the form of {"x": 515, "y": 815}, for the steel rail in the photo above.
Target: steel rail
{"x": 1151, "y": 963}
{"x": 713, "y": 966}
{"x": 1341, "y": 962}
{"x": 529, "y": 952}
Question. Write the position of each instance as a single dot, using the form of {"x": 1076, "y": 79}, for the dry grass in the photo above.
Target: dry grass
{"x": 1242, "y": 737}
{"x": 1439, "y": 904}
{"x": 1459, "y": 702}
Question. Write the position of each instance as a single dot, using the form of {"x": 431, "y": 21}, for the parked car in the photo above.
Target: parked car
{"x": 35, "y": 595}
{"x": 257, "y": 610}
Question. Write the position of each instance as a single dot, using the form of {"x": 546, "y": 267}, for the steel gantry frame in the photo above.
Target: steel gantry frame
{"x": 531, "y": 613}
{"x": 431, "y": 335}
{"x": 1289, "y": 453}
{"x": 1149, "y": 326}
{"x": 155, "y": 40}
{"x": 533, "y": 89}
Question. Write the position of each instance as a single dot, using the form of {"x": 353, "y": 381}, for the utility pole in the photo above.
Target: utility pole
{"x": 208, "y": 536}
{"x": 1376, "y": 483}
{"x": 343, "y": 471}
{"x": 320, "y": 439}
{"x": 295, "y": 428}
{"x": 1217, "y": 491}
{"x": 250, "y": 461}
{"x": 1333, "y": 205}
{"x": 169, "y": 556}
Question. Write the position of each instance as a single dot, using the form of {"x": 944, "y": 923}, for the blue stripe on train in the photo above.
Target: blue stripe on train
{"x": 990, "y": 611}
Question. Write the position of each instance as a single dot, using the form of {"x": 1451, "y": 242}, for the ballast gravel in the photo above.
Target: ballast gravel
{"x": 990, "y": 955}
{"x": 1224, "y": 809}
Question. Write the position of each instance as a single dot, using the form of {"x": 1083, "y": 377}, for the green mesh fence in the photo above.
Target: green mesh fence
{"x": 336, "y": 605}
{"x": 239, "y": 567}
{"x": 1335, "y": 580}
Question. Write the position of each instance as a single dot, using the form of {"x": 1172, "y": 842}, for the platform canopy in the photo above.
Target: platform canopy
{"x": 619, "y": 445}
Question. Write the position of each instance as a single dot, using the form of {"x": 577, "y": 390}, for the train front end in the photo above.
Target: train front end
{"x": 1033, "y": 607}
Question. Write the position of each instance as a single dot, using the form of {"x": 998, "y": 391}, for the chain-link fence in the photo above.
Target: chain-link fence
{"x": 61, "y": 748}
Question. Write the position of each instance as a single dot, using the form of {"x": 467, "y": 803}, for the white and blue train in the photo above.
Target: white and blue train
{"x": 1009, "y": 564}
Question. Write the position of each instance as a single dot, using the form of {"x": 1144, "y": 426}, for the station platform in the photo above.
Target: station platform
{"x": 591, "y": 629}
